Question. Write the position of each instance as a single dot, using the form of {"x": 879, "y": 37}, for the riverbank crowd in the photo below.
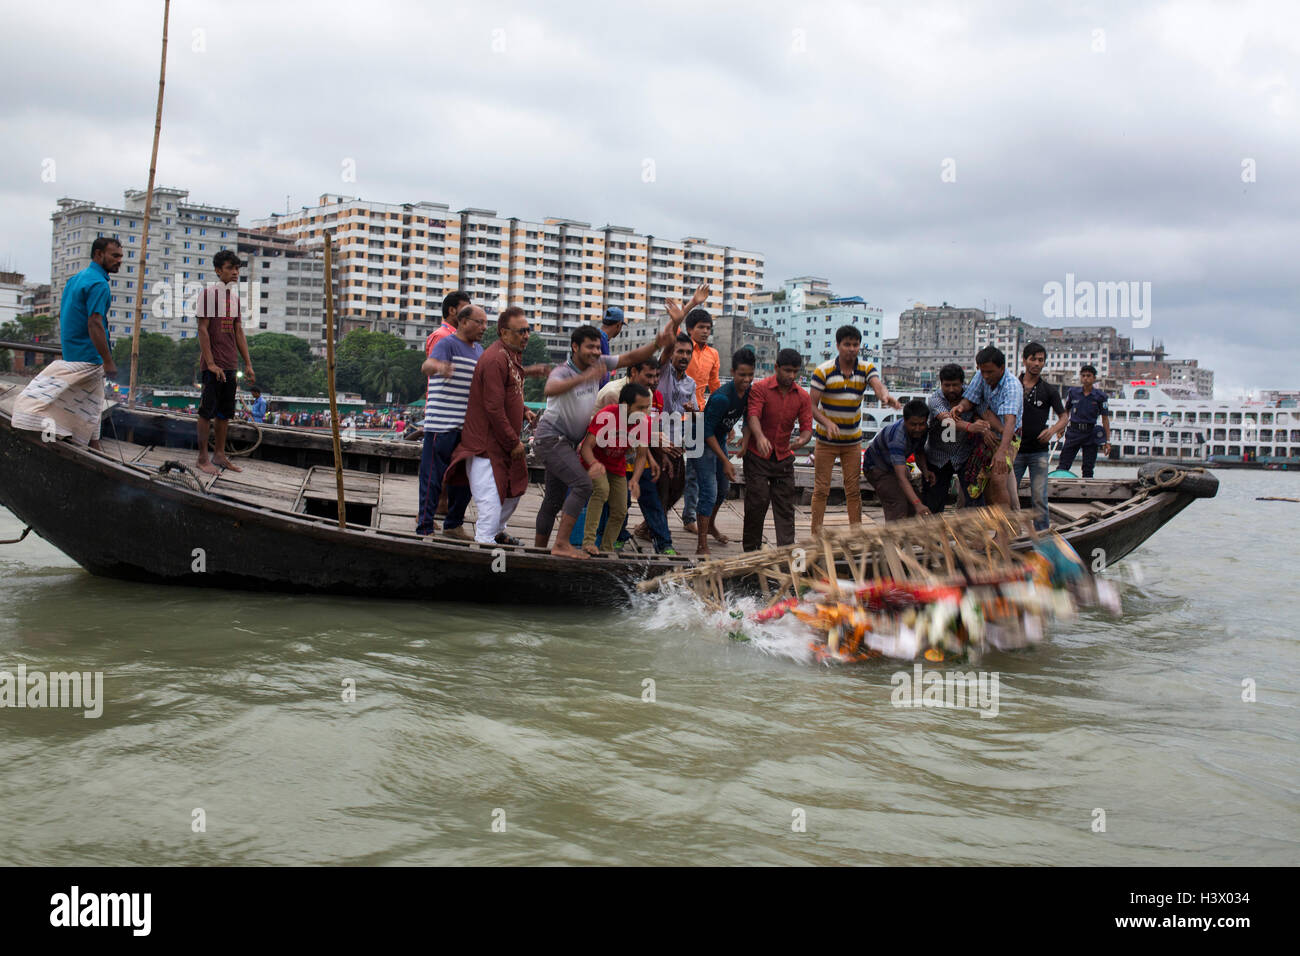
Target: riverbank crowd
{"x": 664, "y": 432}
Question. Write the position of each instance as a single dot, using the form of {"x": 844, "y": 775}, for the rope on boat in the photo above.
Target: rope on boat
{"x": 167, "y": 467}
{"x": 242, "y": 452}
{"x": 1279, "y": 499}
{"x": 1178, "y": 474}
{"x": 26, "y": 531}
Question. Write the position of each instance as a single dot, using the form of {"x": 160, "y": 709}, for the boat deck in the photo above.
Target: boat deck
{"x": 389, "y": 502}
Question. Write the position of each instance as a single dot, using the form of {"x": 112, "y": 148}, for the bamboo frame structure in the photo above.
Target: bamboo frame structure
{"x": 969, "y": 546}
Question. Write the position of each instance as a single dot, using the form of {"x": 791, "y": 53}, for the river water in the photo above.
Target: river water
{"x": 495, "y": 736}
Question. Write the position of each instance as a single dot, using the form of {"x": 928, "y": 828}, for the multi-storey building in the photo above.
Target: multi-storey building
{"x": 283, "y": 287}
{"x": 1187, "y": 372}
{"x": 930, "y": 337}
{"x": 733, "y": 332}
{"x": 183, "y": 238}
{"x": 397, "y": 261}
{"x": 804, "y": 313}
{"x": 12, "y": 291}
{"x": 1072, "y": 347}
{"x": 1008, "y": 334}
{"x": 730, "y": 332}
{"x": 393, "y": 260}
{"x": 36, "y": 298}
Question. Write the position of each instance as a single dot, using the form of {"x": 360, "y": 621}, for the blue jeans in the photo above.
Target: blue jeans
{"x": 711, "y": 478}
{"x": 691, "y": 496}
{"x": 652, "y": 509}
{"x": 1036, "y": 463}
{"x": 435, "y": 456}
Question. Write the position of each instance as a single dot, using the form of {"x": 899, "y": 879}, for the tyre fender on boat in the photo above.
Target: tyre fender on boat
{"x": 1186, "y": 480}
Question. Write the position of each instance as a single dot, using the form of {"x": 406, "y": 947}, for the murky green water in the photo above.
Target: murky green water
{"x": 231, "y": 703}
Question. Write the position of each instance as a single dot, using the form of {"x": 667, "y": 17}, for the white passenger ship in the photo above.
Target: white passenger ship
{"x": 1163, "y": 422}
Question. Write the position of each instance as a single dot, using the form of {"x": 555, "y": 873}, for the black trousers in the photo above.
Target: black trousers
{"x": 1086, "y": 441}
{"x": 768, "y": 482}
{"x": 935, "y": 496}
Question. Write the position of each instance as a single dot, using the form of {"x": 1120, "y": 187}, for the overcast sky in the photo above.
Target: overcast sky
{"x": 915, "y": 151}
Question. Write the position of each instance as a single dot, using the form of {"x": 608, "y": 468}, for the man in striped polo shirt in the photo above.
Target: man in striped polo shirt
{"x": 837, "y": 388}
{"x": 450, "y": 368}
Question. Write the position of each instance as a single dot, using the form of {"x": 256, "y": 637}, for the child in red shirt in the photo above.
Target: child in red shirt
{"x": 614, "y": 431}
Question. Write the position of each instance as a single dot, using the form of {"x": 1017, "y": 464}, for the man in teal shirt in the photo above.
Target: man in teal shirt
{"x": 67, "y": 399}
{"x": 83, "y": 327}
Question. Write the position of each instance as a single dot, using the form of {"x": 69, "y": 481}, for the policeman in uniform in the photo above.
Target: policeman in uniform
{"x": 1084, "y": 404}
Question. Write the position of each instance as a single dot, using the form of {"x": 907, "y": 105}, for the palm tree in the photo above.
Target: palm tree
{"x": 383, "y": 373}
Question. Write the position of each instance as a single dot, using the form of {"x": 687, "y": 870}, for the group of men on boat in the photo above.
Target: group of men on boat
{"x": 663, "y": 432}
{"x": 598, "y": 458}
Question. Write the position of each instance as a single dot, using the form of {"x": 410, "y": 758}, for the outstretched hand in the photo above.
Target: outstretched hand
{"x": 700, "y": 297}
{"x": 674, "y": 310}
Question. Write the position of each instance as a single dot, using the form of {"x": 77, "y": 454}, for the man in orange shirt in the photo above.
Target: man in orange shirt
{"x": 451, "y": 306}
{"x": 705, "y": 362}
{"x": 702, "y": 370}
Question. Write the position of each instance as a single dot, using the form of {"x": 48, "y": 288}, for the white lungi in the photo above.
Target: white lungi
{"x": 493, "y": 513}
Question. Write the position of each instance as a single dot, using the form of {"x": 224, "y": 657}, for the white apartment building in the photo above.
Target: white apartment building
{"x": 392, "y": 260}
{"x": 183, "y": 238}
{"x": 394, "y": 264}
{"x": 399, "y": 260}
{"x": 283, "y": 288}
{"x": 12, "y": 293}
{"x": 804, "y": 314}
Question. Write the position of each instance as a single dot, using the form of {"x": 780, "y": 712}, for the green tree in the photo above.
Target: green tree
{"x": 285, "y": 365}
{"x": 157, "y": 359}
{"x": 185, "y": 370}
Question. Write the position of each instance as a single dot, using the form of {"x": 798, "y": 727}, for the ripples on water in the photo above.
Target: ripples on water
{"x": 231, "y": 703}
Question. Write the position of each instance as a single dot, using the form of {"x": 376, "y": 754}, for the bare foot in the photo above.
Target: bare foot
{"x": 690, "y": 526}
{"x": 703, "y": 549}
{"x": 208, "y": 468}
{"x": 225, "y": 462}
{"x": 592, "y": 550}
{"x": 719, "y": 536}
{"x": 567, "y": 550}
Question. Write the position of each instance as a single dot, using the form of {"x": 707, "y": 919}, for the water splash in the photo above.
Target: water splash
{"x": 678, "y": 609}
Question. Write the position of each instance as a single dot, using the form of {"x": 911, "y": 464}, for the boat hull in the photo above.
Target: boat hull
{"x": 125, "y": 522}
{"x": 117, "y": 522}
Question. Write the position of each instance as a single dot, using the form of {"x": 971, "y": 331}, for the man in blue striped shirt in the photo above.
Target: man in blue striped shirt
{"x": 999, "y": 400}
{"x": 450, "y": 368}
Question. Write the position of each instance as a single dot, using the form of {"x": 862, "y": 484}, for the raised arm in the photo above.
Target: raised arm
{"x": 666, "y": 336}
{"x": 558, "y": 386}
{"x": 882, "y": 392}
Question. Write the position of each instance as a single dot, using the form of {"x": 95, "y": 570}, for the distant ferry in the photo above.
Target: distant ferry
{"x": 1169, "y": 423}
{"x": 1165, "y": 422}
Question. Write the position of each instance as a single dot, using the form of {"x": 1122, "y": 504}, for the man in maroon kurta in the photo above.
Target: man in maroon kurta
{"x": 491, "y": 458}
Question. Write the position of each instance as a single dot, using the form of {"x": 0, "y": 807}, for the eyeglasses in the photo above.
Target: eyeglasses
{"x": 525, "y": 331}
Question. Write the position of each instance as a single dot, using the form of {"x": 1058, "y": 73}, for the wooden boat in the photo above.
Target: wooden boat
{"x": 127, "y": 513}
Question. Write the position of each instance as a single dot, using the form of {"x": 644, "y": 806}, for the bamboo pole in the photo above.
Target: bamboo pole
{"x": 148, "y": 215}
{"x": 329, "y": 368}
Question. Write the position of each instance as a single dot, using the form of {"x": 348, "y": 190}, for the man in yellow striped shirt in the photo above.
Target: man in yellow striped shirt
{"x": 837, "y": 389}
